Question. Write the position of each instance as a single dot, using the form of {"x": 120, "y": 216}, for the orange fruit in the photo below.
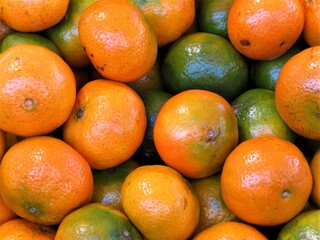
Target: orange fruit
{"x": 266, "y": 181}
{"x": 213, "y": 210}
{"x": 22, "y": 229}
{"x": 311, "y": 29}
{"x": 108, "y": 183}
{"x": 6, "y": 214}
{"x": 170, "y": 19}
{"x": 120, "y": 44}
{"x": 315, "y": 170}
{"x": 42, "y": 179}
{"x": 33, "y": 15}
{"x": 107, "y": 124}
{"x": 37, "y": 88}
{"x": 230, "y": 231}
{"x": 160, "y": 202}
{"x": 264, "y": 30}
{"x": 97, "y": 221}
{"x": 297, "y": 93}
{"x": 194, "y": 132}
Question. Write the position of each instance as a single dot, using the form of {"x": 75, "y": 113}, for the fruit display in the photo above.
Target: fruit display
{"x": 160, "y": 119}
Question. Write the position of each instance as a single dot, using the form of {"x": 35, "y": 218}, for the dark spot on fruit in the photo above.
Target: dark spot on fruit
{"x": 212, "y": 135}
{"x": 245, "y": 42}
{"x": 282, "y": 43}
{"x": 91, "y": 54}
{"x": 318, "y": 115}
{"x": 79, "y": 113}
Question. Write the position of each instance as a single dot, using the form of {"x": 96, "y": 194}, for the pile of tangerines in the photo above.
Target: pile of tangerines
{"x": 189, "y": 119}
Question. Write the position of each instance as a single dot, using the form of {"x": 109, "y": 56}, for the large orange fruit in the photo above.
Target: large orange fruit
{"x": 264, "y": 30}
{"x": 266, "y": 181}
{"x": 297, "y": 93}
{"x": 22, "y": 229}
{"x": 42, "y": 179}
{"x": 160, "y": 202}
{"x": 107, "y": 124}
{"x": 38, "y": 90}
{"x": 194, "y": 132}
{"x": 170, "y": 19}
{"x": 32, "y": 15}
{"x": 229, "y": 231}
{"x": 118, "y": 40}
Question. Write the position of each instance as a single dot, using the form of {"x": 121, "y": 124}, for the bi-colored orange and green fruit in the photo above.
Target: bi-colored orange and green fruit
{"x": 264, "y": 73}
{"x": 297, "y": 93}
{"x": 257, "y": 115}
{"x": 305, "y": 225}
{"x": 311, "y": 28}
{"x": 230, "y": 230}
{"x": 107, "y": 124}
{"x": 65, "y": 34}
{"x": 121, "y": 45}
{"x": 97, "y": 221}
{"x": 315, "y": 170}
{"x": 213, "y": 210}
{"x": 266, "y": 181}
{"x": 108, "y": 183}
{"x": 28, "y": 38}
{"x": 264, "y": 30}
{"x": 160, "y": 202}
{"x": 22, "y": 229}
{"x": 33, "y": 15}
{"x": 212, "y": 16}
{"x": 194, "y": 132}
{"x": 38, "y": 90}
{"x": 205, "y": 61}
{"x": 170, "y": 19}
{"x": 42, "y": 179}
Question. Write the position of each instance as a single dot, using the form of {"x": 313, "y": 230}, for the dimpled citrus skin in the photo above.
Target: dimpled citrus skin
{"x": 265, "y": 29}
{"x": 160, "y": 203}
{"x": 42, "y": 179}
{"x": 33, "y": 15}
{"x": 38, "y": 90}
{"x": 124, "y": 51}
{"x": 297, "y": 93}
{"x": 107, "y": 124}
{"x": 266, "y": 181}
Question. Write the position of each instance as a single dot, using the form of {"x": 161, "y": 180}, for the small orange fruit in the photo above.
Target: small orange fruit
{"x": 32, "y": 15}
{"x": 170, "y": 19}
{"x": 264, "y": 30}
{"x": 120, "y": 43}
{"x": 230, "y": 231}
{"x": 311, "y": 29}
{"x": 107, "y": 124}
{"x": 160, "y": 202}
{"x": 42, "y": 179}
{"x": 38, "y": 90}
{"x": 297, "y": 93}
{"x": 266, "y": 181}
{"x": 97, "y": 221}
{"x": 315, "y": 170}
{"x": 194, "y": 132}
{"x": 6, "y": 213}
{"x": 22, "y": 229}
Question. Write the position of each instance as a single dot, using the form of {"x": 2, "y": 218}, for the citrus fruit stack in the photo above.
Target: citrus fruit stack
{"x": 163, "y": 119}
